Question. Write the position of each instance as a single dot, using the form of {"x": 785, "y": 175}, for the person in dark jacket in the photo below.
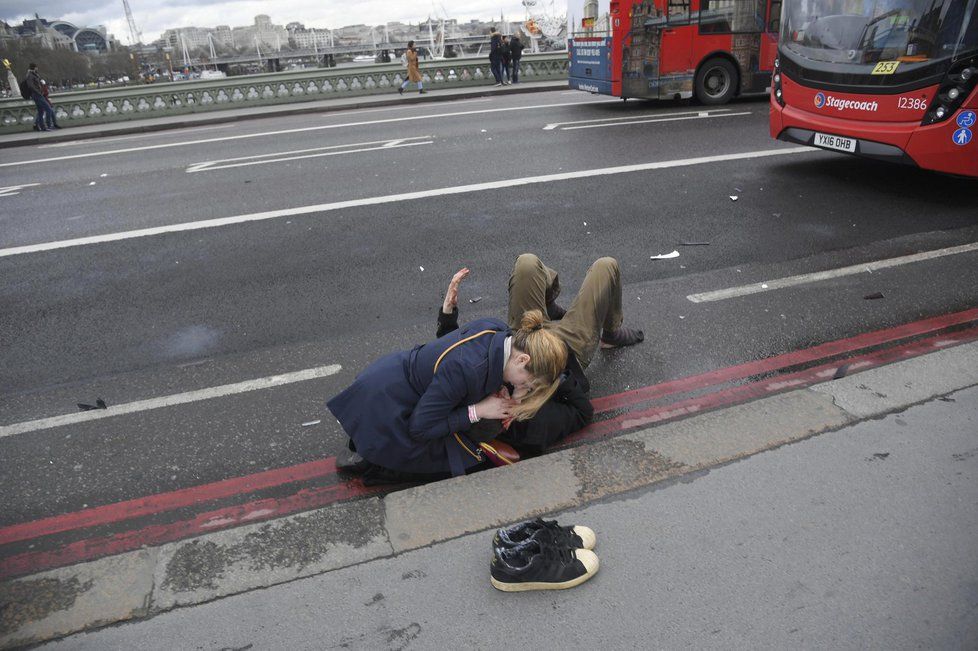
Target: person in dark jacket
{"x": 515, "y": 54}
{"x": 567, "y": 411}
{"x": 50, "y": 121}
{"x": 505, "y": 52}
{"x": 496, "y": 56}
{"x": 33, "y": 80}
{"x": 409, "y": 412}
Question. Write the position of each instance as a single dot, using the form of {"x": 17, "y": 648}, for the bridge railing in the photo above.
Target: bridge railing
{"x": 137, "y": 102}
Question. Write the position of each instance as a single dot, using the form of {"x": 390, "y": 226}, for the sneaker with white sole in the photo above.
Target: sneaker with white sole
{"x": 540, "y": 566}
{"x": 573, "y": 537}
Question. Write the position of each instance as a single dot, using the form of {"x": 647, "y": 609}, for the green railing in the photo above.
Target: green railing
{"x": 159, "y": 100}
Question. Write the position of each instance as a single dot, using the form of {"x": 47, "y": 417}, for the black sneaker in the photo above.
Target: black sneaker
{"x": 539, "y": 566}
{"x": 573, "y": 537}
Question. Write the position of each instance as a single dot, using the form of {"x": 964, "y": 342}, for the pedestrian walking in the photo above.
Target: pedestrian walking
{"x": 409, "y": 414}
{"x": 505, "y": 52}
{"x": 495, "y": 56}
{"x": 413, "y": 71}
{"x": 33, "y": 83}
{"x": 515, "y": 54}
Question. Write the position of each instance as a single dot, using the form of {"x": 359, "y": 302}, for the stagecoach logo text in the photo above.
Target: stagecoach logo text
{"x": 822, "y": 100}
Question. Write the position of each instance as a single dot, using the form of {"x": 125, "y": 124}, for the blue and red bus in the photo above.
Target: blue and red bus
{"x": 895, "y": 80}
{"x": 672, "y": 49}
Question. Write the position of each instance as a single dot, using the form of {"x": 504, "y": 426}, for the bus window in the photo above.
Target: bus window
{"x": 678, "y": 12}
{"x": 732, "y": 16}
{"x": 774, "y": 17}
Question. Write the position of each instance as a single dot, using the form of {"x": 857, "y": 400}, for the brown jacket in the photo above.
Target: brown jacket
{"x": 414, "y": 73}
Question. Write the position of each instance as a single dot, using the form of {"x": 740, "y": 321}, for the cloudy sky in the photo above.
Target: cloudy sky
{"x": 154, "y": 16}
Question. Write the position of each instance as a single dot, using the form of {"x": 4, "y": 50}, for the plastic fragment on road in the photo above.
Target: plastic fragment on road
{"x": 92, "y": 183}
{"x": 311, "y": 423}
{"x": 874, "y": 296}
{"x": 734, "y": 197}
{"x": 99, "y": 404}
{"x": 421, "y": 268}
{"x": 103, "y": 175}
{"x": 841, "y": 372}
{"x": 475, "y": 300}
{"x": 665, "y": 256}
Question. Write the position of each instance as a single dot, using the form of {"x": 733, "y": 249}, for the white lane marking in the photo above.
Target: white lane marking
{"x": 791, "y": 281}
{"x": 398, "y": 108}
{"x": 332, "y": 150}
{"x": 11, "y": 190}
{"x": 393, "y": 198}
{"x": 689, "y": 117}
{"x": 154, "y": 134}
{"x": 321, "y": 127}
{"x": 554, "y": 125}
{"x": 171, "y": 400}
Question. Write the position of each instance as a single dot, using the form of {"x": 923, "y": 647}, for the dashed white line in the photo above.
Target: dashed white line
{"x": 395, "y": 198}
{"x": 802, "y": 279}
{"x": 171, "y": 400}
{"x": 554, "y": 125}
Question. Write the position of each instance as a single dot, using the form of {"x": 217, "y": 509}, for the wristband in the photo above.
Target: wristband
{"x": 473, "y": 416}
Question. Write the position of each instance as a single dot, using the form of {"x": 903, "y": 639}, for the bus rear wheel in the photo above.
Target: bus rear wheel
{"x": 716, "y": 82}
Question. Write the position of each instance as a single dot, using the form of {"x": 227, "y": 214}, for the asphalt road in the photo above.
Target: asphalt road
{"x": 186, "y": 309}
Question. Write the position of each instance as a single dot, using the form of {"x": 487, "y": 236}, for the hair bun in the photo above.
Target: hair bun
{"x": 532, "y": 320}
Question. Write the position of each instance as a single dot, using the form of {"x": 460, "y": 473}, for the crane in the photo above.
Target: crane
{"x": 134, "y": 34}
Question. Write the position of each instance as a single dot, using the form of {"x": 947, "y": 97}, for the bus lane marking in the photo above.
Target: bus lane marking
{"x": 802, "y": 279}
{"x": 171, "y": 400}
{"x": 315, "y": 152}
{"x": 642, "y": 119}
{"x": 397, "y": 198}
{"x": 322, "y": 127}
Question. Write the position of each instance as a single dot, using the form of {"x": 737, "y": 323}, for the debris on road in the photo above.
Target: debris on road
{"x": 311, "y": 423}
{"x": 92, "y": 183}
{"x": 475, "y": 300}
{"x": 694, "y": 244}
{"x": 841, "y": 372}
{"x": 873, "y": 297}
{"x": 99, "y": 404}
{"x": 665, "y": 256}
{"x": 734, "y": 197}
{"x": 421, "y": 268}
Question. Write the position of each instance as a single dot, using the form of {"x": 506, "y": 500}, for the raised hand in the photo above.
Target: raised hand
{"x": 451, "y": 295}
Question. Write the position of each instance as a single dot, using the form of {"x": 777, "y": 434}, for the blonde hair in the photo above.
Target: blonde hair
{"x": 548, "y": 358}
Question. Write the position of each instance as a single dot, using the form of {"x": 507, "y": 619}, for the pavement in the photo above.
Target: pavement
{"x": 845, "y": 513}
{"x": 149, "y": 125}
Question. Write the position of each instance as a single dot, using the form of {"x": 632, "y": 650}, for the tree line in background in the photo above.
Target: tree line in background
{"x": 63, "y": 68}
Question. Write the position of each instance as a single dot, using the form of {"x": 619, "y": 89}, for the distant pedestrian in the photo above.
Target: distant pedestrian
{"x": 496, "y": 55}
{"x": 34, "y": 85}
{"x": 515, "y": 54}
{"x": 50, "y": 121}
{"x": 505, "y": 51}
{"x": 413, "y": 71}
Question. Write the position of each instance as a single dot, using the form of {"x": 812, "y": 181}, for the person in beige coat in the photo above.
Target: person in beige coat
{"x": 413, "y": 72}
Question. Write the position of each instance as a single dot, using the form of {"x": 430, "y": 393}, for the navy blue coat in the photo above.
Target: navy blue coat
{"x": 402, "y": 416}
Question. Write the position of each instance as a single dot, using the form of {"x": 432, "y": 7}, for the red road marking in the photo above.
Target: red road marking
{"x": 162, "y": 502}
{"x": 257, "y": 511}
{"x": 795, "y": 358}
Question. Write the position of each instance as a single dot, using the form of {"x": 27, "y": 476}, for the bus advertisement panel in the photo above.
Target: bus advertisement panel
{"x": 673, "y": 49}
{"x": 590, "y": 65}
{"x": 895, "y": 80}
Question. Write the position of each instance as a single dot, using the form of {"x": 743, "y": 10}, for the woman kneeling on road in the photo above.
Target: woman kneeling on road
{"x": 407, "y": 414}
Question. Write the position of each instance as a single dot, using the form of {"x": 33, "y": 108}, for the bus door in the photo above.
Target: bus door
{"x": 769, "y": 39}
{"x": 676, "y": 67}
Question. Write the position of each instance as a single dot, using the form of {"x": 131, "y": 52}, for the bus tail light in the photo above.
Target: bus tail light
{"x": 776, "y": 82}
{"x": 957, "y": 85}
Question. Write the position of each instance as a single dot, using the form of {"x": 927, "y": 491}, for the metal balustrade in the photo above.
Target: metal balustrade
{"x": 159, "y": 100}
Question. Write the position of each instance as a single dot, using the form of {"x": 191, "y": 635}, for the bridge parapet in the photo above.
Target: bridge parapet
{"x": 160, "y": 100}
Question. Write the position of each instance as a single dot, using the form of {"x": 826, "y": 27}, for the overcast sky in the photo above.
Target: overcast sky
{"x": 154, "y": 16}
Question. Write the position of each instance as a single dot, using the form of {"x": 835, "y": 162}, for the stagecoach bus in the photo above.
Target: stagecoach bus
{"x": 671, "y": 49}
{"x": 895, "y": 80}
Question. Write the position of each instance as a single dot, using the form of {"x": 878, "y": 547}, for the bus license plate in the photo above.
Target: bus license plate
{"x": 835, "y": 142}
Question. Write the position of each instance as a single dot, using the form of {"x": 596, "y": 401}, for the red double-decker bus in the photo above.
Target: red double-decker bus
{"x": 895, "y": 80}
{"x": 672, "y": 49}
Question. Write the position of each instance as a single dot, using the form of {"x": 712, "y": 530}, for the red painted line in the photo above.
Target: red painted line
{"x": 161, "y": 502}
{"x": 764, "y": 388}
{"x": 260, "y": 510}
{"x": 257, "y": 511}
{"x": 795, "y": 358}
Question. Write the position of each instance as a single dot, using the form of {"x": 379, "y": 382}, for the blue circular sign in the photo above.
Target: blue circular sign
{"x": 820, "y": 100}
{"x": 967, "y": 119}
{"x": 961, "y": 137}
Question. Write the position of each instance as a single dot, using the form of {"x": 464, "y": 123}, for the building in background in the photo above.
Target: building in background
{"x": 60, "y": 34}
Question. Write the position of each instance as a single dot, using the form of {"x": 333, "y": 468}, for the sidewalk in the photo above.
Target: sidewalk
{"x": 29, "y": 137}
{"x": 386, "y": 533}
{"x": 865, "y": 537}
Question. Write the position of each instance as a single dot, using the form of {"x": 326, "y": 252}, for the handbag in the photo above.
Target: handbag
{"x": 496, "y": 451}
